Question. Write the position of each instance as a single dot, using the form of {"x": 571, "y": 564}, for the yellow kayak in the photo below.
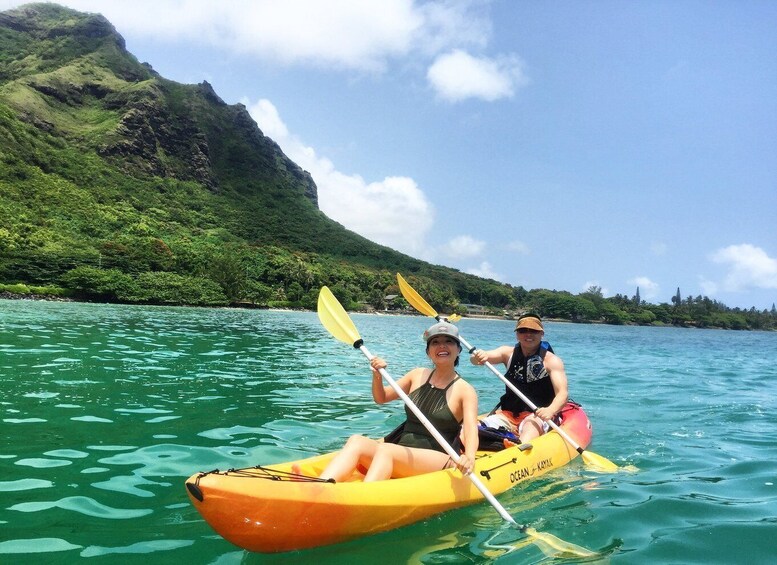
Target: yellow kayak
{"x": 272, "y": 509}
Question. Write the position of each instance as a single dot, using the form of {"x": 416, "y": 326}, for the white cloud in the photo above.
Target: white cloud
{"x": 485, "y": 271}
{"x": 355, "y": 35}
{"x": 457, "y": 75}
{"x": 266, "y": 116}
{"x": 393, "y": 211}
{"x": 362, "y": 35}
{"x": 448, "y": 24}
{"x": 748, "y": 267}
{"x": 463, "y": 247}
{"x": 518, "y": 247}
{"x": 708, "y": 287}
{"x": 647, "y": 288}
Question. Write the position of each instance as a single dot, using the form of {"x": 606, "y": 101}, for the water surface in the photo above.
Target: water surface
{"x": 107, "y": 409}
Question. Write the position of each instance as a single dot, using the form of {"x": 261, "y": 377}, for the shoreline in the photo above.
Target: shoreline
{"x": 245, "y": 306}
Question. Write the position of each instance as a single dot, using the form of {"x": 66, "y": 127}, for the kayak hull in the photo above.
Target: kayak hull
{"x": 264, "y": 510}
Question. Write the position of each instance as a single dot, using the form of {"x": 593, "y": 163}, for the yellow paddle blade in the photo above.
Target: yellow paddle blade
{"x": 453, "y": 318}
{"x": 601, "y": 464}
{"x": 414, "y": 298}
{"x": 335, "y": 319}
{"x": 556, "y": 547}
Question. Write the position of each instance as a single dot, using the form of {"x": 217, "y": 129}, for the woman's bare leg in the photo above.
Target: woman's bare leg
{"x": 358, "y": 449}
{"x": 391, "y": 460}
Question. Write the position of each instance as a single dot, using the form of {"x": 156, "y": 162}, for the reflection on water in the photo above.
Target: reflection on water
{"x": 106, "y": 409}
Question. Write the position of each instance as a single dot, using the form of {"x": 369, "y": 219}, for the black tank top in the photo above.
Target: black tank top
{"x": 434, "y": 405}
{"x": 530, "y": 376}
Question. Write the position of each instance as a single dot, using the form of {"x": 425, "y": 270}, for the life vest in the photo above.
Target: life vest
{"x": 529, "y": 375}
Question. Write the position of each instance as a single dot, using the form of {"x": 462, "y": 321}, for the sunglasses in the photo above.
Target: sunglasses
{"x": 527, "y": 330}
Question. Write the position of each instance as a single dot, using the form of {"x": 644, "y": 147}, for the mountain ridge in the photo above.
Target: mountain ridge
{"x": 110, "y": 165}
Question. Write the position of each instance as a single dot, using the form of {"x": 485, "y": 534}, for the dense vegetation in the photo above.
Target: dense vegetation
{"x": 118, "y": 185}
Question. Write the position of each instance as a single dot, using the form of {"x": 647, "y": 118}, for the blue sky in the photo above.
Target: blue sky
{"x": 545, "y": 144}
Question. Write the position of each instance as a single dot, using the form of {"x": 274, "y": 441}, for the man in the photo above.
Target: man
{"x": 534, "y": 370}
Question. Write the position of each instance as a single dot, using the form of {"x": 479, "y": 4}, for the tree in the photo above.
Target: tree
{"x": 227, "y": 269}
{"x": 613, "y": 315}
{"x": 377, "y": 298}
{"x": 585, "y": 310}
{"x": 169, "y": 288}
{"x": 661, "y": 312}
{"x": 645, "y": 317}
{"x": 258, "y": 293}
{"x": 104, "y": 284}
{"x": 595, "y": 291}
{"x": 677, "y": 299}
{"x": 295, "y": 292}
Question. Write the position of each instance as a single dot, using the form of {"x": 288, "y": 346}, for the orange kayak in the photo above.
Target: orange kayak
{"x": 271, "y": 509}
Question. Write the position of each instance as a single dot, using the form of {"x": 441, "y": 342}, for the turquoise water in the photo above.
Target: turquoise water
{"x": 107, "y": 409}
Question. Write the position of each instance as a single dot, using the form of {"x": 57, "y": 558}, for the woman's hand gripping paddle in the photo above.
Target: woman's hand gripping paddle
{"x": 336, "y": 320}
{"x": 597, "y": 462}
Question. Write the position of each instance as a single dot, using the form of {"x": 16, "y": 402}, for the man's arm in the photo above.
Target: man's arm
{"x": 558, "y": 377}
{"x": 493, "y": 356}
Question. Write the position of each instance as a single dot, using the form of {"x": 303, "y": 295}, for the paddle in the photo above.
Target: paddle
{"x": 336, "y": 320}
{"x": 597, "y": 461}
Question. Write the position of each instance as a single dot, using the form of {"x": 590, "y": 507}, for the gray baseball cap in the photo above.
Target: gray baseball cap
{"x": 442, "y": 328}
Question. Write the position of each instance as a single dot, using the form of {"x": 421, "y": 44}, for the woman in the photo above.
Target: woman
{"x": 449, "y": 403}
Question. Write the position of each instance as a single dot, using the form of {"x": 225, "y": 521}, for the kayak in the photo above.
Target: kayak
{"x": 285, "y": 507}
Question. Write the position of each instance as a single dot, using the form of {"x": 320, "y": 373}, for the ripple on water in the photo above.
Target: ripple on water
{"x": 129, "y": 485}
{"x": 157, "y": 460}
{"x": 161, "y": 419}
{"x": 42, "y": 395}
{"x": 86, "y": 382}
{"x": 137, "y": 548}
{"x": 24, "y": 484}
{"x": 224, "y": 434}
{"x": 112, "y": 447}
{"x": 69, "y": 453}
{"x": 41, "y": 463}
{"x": 82, "y": 505}
{"x": 36, "y": 545}
{"x": 142, "y": 411}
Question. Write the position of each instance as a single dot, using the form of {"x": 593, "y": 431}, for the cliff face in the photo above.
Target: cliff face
{"x": 105, "y": 163}
{"x": 70, "y": 75}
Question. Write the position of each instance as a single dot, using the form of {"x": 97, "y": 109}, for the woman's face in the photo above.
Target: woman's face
{"x": 442, "y": 348}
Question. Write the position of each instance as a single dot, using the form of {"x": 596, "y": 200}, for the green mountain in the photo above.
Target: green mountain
{"x": 117, "y": 184}
{"x": 113, "y": 176}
